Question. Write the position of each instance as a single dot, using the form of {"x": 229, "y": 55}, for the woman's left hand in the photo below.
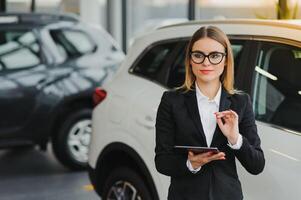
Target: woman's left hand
{"x": 230, "y": 127}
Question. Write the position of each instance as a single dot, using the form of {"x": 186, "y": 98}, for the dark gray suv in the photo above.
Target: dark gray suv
{"x": 49, "y": 67}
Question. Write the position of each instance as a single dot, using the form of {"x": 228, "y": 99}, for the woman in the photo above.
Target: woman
{"x": 207, "y": 111}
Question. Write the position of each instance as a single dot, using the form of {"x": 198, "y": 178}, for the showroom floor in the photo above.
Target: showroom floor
{"x": 29, "y": 174}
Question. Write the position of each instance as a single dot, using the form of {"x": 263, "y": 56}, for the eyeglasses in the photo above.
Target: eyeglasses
{"x": 214, "y": 58}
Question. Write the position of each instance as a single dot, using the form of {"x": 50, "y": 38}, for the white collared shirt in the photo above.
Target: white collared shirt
{"x": 207, "y": 108}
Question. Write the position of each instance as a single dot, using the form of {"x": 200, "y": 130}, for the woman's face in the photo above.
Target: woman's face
{"x": 206, "y": 71}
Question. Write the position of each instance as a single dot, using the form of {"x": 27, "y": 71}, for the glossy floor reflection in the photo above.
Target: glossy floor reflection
{"x": 29, "y": 174}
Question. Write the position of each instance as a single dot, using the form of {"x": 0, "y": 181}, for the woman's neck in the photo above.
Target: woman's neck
{"x": 209, "y": 89}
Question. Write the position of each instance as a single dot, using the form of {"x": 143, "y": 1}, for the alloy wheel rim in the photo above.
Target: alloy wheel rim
{"x": 123, "y": 190}
{"x": 79, "y": 138}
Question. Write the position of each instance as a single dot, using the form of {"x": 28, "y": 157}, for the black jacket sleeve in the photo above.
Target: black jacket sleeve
{"x": 250, "y": 154}
{"x": 167, "y": 162}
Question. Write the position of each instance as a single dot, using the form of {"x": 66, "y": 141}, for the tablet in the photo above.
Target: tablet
{"x": 197, "y": 149}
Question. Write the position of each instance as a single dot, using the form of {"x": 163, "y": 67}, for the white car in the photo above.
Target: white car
{"x": 267, "y": 66}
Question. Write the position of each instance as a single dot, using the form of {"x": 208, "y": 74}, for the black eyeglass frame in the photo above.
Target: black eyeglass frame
{"x": 207, "y": 56}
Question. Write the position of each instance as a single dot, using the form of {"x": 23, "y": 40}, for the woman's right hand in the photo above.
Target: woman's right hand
{"x": 198, "y": 160}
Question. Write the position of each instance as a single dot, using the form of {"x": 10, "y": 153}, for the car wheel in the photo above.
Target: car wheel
{"x": 124, "y": 183}
{"x": 71, "y": 144}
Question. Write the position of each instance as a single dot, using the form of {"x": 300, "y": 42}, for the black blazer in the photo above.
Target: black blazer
{"x": 178, "y": 123}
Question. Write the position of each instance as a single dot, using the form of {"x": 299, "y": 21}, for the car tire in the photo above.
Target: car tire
{"x": 70, "y": 144}
{"x": 123, "y": 183}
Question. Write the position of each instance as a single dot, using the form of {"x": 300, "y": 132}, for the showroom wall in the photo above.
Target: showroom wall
{"x": 145, "y": 15}
{"x": 127, "y": 19}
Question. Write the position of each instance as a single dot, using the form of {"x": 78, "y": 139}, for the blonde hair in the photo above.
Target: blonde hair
{"x": 227, "y": 77}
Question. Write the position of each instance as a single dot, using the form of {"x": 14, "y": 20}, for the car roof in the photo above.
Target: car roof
{"x": 292, "y": 24}
{"x": 286, "y": 29}
{"x": 38, "y": 19}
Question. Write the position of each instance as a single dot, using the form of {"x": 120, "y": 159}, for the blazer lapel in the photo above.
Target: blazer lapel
{"x": 191, "y": 103}
{"x": 225, "y": 104}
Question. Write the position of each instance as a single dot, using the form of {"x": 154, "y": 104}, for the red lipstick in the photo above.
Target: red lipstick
{"x": 206, "y": 71}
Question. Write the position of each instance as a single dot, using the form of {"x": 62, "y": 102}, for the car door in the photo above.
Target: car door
{"x": 276, "y": 97}
{"x": 21, "y": 71}
{"x": 152, "y": 68}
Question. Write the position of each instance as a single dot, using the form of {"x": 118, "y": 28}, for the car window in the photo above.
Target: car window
{"x": 177, "y": 74}
{"x": 18, "y": 49}
{"x": 151, "y": 63}
{"x": 237, "y": 49}
{"x": 277, "y": 85}
{"x": 72, "y": 43}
